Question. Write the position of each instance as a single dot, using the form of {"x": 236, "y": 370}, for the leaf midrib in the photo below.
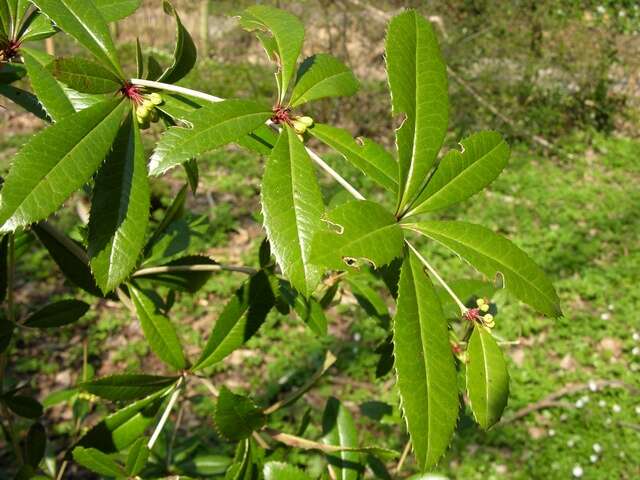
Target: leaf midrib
{"x": 490, "y": 257}
{"x": 442, "y": 190}
{"x": 61, "y": 160}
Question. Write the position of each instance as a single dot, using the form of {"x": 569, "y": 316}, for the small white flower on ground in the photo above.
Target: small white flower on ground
{"x": 602, "y": 403}
{"x": 605, "y": 316}
{"x": 611, "y": 307}
{"x": 357, "y": 336}
{"x": 636, "y": 336}
{"x": 638, "y": 410}
{"x": 616, "y": 408}
{"x": 577, "y": 471}
{"x": 552, "y": 432}
{"x": 593, "y": 458}
{"x": 593, "y": 386}
{"x": 571, "y": 442}
{"x": 635, "y": 351}
{"x": 600, "y": 9}
{"x": 597, "y": 447}
{"x": 608, "y": 421}
{"x": 580, "y": 403}
{"x": 585, "y": 399}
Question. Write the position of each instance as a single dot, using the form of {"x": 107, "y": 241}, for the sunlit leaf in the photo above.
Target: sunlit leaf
{"x": 184, "y": 55}
{"x": 236, "y": 416}
{"x": 495, "y": 256}
{"x": 322, "y": 76}
{"x": 292, "y": 206}
{"x": 425, "y": 370}
{"x": 418, "y": 82}
{"x": 487, "y": 378}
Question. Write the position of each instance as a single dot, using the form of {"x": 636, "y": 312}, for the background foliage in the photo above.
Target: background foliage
{"x": 570, "y": 206}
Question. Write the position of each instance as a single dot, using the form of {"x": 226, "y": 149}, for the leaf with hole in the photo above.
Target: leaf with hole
{"x": 417, "y": 78}
{"x": 425, "y": 370}
{"x": 462, "y": 174}
{"x": 213, "y": 126}
{"x": 281, "y": 35}
{"x": 357, "y": 233}
{"x": 495, "y": 256}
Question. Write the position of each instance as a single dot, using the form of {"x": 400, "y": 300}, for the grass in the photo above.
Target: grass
{"x": 576, "y": 214}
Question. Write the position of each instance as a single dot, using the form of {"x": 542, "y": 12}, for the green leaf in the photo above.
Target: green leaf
{"x": 98, "y": 462}
{"x": 56, "y": 162}
{"x": 69, "y": 256}
{"x": 283, "y": 471}
{"x": 120, "y": 209}
{"x": 36, "y": 27}
{"x": 418, "y": 83}
{"x": 84, "y": 76}
{"x": 11, "y": 72}
{"x": 425, "y": 370}
{"x": 285, "y": 43}
{"x": 186, "y": 281}
{"x": 214, "y": 125}
{"x": 50, "y": 93}
{"x": 6, "y": 20}
{"x": 366, "y": 155}
{"x": 322, "y": 76}
{"x": 236, "y": 416}
{"x": 184, "y": 55}
{"x": 113, "y": 10}
{"x": 24, "y": 99}
{"x": 495, "y": 256}
{"x": 57, "y": 314}
{"x": 127, "y": 387}
{"x": 179, "y": 108}
{"x": 338, "y": 428}
{"x": 21, "y": 405}
{"x": 292, "y": 206}
{"x": 171, "y": 215}
{"x": 137, "y": 457}
{"x": 487, "y": 378}
{"x": 239, "y": 321}
{"x": 461, "y": 175}
{"x": 181, "y": 237}
{"x": 35, "y": 445}
{"x": 83, "y": 21}
{"x": 158, "y": 330}
{"x": 122, "y": 428}
{"x": 356, "y": 233}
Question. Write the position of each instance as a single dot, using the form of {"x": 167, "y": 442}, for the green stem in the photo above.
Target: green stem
{"x": 440, "y": 280}
{"x": 211, "y": 98}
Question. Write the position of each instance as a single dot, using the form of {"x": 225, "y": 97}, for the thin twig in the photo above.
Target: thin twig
{"x": 552, "y": 400}
{"x": 433, "y": 272}
{"x": 194, "y": 268}
{"x": 165, "y": 414}
{"x": 403, "y": 457}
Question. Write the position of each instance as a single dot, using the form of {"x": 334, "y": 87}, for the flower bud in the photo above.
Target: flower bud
{"x": 484, "y": 308}
{"x": 306, "y": 121}
{"x": 481, "y": 301}
{"x": 143, "y": 112}
{"x": 156, "y": 99}
{"x": 148, "y": 104}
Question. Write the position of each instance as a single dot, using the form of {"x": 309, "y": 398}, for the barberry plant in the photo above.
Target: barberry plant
{"x": 440, "y": 331}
